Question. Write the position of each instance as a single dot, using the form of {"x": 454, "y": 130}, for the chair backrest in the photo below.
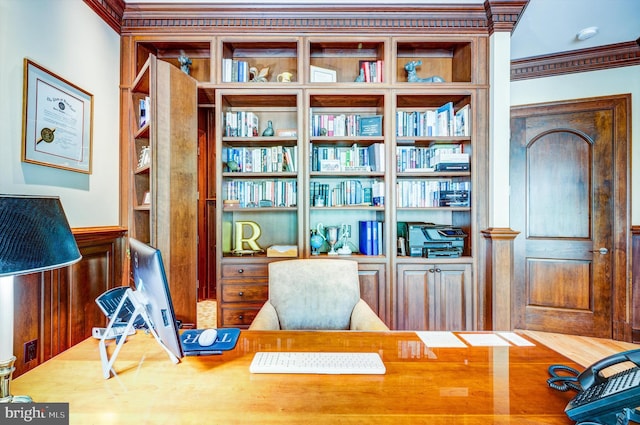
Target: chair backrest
{"x": 314, "y": 294}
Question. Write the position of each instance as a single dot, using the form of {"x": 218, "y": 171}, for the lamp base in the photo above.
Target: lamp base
{"x": 6, "y": 371}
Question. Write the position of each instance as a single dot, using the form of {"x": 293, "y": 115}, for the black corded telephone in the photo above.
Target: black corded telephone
{"x": 601, "y": 400}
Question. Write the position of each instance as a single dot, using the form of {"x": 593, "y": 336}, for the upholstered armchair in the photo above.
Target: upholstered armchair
{"x": 315, "y": 294}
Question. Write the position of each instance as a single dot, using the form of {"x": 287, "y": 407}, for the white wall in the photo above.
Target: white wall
{"x": 69, "y": 39}
{"x": 590, "y": 84}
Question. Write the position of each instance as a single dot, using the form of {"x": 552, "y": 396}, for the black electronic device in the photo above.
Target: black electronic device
{"x": 109, "y": 301}
{"x": 432, "y": 240}
{"x": 610, "y": 400}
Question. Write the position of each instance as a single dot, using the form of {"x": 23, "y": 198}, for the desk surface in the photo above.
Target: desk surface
{"x": 472, "y": 386}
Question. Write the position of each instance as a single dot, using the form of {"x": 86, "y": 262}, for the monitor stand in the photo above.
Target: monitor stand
{"x": 139, "y": 310}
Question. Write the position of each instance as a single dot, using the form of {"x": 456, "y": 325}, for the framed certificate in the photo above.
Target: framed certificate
{"x": 57, "y": 121}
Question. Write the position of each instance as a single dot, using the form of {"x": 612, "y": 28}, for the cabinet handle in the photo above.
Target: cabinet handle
{"x": 436, "y": 270}
{"x": 241, "y": 293}
{"x": 240, "y": 270}
{"x": 431, "y": 270}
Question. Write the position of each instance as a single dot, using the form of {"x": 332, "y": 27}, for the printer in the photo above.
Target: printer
{"x": 430, "y": 240}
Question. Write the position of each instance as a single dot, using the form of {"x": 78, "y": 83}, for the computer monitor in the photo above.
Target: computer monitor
{"x": 152, "y": 290}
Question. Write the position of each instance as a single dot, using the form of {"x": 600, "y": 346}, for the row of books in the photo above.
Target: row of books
{"x": 371, "y": 71}
{"x": 370, "y": 237}
{"x": 235, "y": 71}
{"x": 442, "y": 121}
{"x": 346, "y": 192}
{"x": 261, "y": 193}
{"x": 425, "y": 159}
{"x": 241, "y": 124}
{"x": 334, "y": 158}
{"x": 341, "y": 125}
{"x": 273, "y": 159}
{"x": 144, "y": 111}
{"x": 427, "y": 193}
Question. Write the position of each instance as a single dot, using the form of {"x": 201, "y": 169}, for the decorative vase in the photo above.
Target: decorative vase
{"x": 269, "y": 130}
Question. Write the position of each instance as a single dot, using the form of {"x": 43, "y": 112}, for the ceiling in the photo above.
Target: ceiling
{"x": 545, "y": 27}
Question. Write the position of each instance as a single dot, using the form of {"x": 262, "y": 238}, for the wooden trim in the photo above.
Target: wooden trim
{"x": 504, "y": 15}
{"x": 219, "y": 18}
{"x": 584, "y": 60}
{"x": 109, "y": 10}
{"x": 494, "y": 297}
{"x": 89, "y": 234}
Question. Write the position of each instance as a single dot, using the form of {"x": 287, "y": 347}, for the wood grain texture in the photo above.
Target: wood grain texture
{"x": 471, "y": 386}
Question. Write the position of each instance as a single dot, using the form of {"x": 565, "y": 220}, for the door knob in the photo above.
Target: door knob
{"x": 602, "y": 251}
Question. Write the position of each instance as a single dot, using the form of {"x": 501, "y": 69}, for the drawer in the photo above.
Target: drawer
{"x": 238, "y": 317}
{"x": 245, "y": 270}
{"x": 245, "y": 293}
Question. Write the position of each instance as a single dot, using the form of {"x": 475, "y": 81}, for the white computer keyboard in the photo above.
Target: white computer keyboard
{"x": 319, "y": 363}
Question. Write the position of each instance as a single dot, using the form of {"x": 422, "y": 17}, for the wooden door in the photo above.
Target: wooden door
{"x": 568, "y": 201}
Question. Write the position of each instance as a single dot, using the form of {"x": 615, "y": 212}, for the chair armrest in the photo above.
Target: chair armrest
{"x": 363, "y": 318}
{"x": 266, "y": 319}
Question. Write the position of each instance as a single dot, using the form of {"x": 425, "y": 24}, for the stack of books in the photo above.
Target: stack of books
{"x": 370, "y": 235}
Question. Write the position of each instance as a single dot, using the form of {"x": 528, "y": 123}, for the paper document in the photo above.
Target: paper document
{"x": 434, "y": 339}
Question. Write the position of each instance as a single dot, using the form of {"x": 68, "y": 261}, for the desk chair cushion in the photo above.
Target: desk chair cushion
{"x": 314, "y": 294}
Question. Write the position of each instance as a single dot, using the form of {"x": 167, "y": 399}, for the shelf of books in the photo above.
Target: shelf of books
{"x": 347, "y": 173}
{"x": 141, "y": 153}
{"x": 260, "y": 183}
{"x": 433, "y": 174}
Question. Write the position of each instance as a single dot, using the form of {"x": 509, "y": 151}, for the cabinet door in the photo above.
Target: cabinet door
{"x": 434, "y": 297}
{"x": 373, "y": 288}
{"x": 452, "y": 301}
{"x": 415, "y": 288}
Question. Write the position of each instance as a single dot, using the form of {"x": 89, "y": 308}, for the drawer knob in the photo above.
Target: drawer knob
{"x": 241, "y": 317}
{"x": 241, "y": 293}
{"x": 240, "y": 270}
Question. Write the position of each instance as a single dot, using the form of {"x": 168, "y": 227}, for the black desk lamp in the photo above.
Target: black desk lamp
{"x": 34, "y": 237}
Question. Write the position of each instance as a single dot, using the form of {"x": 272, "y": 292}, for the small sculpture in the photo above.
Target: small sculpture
{"x": 269, "y": 130}
{"x": 412, "y": 77}
{"x": 185, "y": 63}
{"x": 258, "y": 76}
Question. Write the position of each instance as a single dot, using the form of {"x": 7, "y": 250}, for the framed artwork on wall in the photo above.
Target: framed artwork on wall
{"x": 57, "y": 121}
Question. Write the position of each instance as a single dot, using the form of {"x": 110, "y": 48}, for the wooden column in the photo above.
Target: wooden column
{"x": 494, "y": 297}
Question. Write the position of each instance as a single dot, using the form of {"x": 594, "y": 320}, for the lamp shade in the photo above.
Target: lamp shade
{"x": 34, "y": 235}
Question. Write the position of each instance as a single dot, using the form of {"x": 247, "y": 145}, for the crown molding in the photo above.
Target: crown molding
{"x": 126, "y": 18}
{"x": 503, "y": 15}
{"x": 110, "y": 11}
{"x": 583, "y": 60}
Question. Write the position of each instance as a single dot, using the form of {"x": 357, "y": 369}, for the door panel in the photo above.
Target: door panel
{"x": 562, "y": 175}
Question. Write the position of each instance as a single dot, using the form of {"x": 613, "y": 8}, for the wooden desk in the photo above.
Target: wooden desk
{"x": 473, "y": 385}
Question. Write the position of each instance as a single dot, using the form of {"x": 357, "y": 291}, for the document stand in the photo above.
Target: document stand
{"x": 139, "y": 310}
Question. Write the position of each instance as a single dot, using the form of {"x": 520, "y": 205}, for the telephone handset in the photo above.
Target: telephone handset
{"x": 601, "y": 400}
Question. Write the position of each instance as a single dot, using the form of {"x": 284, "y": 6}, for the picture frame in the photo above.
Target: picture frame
{"x": 57, "y": 121}
{"x": 322, "y": 75}
{"x": 370, "y": 125}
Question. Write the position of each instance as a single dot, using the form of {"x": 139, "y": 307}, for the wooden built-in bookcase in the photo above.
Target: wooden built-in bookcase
{"x": 343, "y": 152}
